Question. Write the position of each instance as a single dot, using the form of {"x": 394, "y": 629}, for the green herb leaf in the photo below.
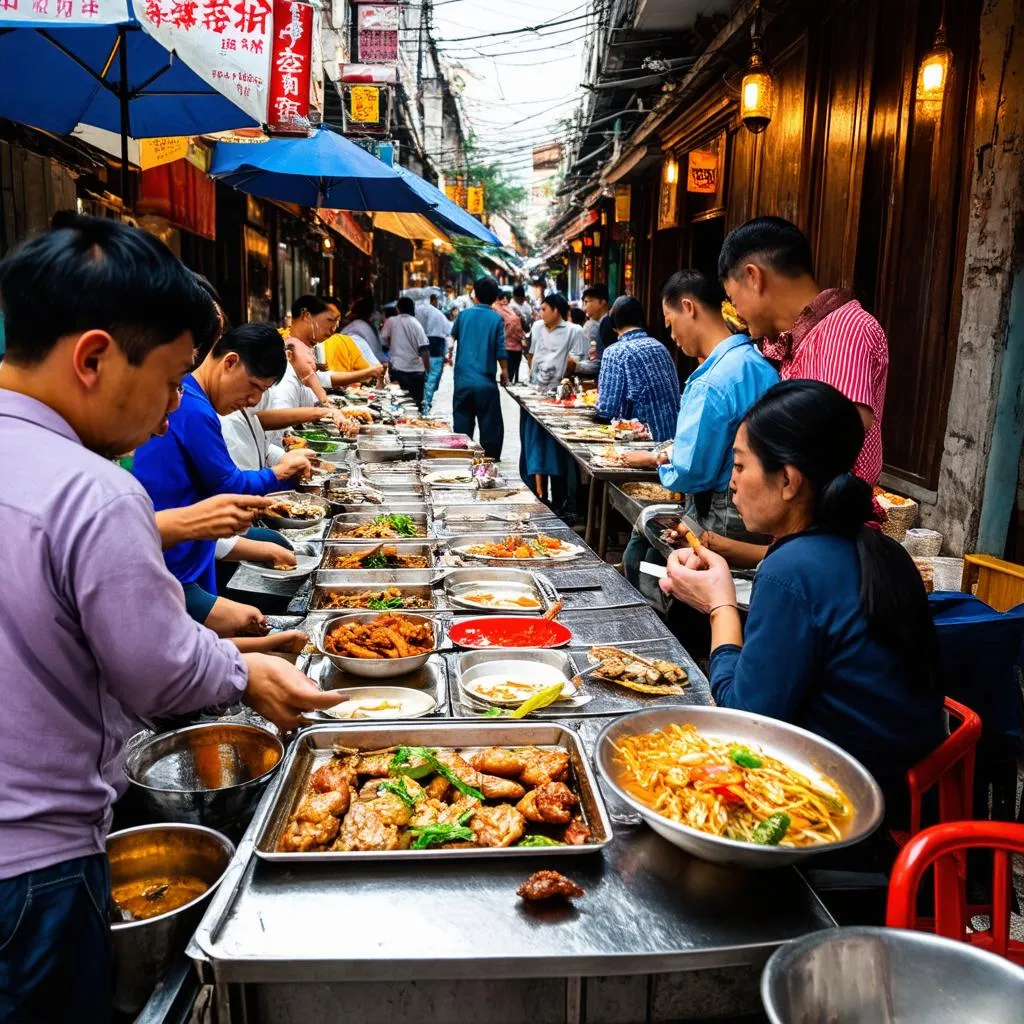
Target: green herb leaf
{"x": 430, "y": 835}
{"x": 400, "y": 790}
{"x": 493, "y": 713}
{"x": 538, "y": 841}
{"x": 376, "y": 562}
{"x": 382, "y": 603}
{"x": 745, "y": 757}
{"x": 772, "y": 830}
{"x": 401, "y": 524}
{"x": 424, "y": 754}
{"x": 466, "y": 815}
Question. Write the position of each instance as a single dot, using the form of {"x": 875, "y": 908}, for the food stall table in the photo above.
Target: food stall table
{"x": 445, "y": 942}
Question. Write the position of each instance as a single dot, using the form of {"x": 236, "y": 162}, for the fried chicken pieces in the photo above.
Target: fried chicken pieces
{"x": 420, "y": 797}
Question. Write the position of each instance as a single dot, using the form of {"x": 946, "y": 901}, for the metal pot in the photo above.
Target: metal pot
{"x": 144, "y": 950}
{"x": 209, "y": 774}
{"x": 882, "y": 975}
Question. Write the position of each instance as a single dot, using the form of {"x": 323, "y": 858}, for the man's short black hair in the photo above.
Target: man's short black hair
{"x": 693, "y": 284}
{"x": 406, "y": 305}
{"x": 486, "y": 289}
{"x": 596, "y": 291}
{"x": 98, "y": 274}
{"x": 577, "y": 316}
{"x": 556, "y": 300}
{"x": 363, "y": 308}
{"x": 626, "y": 312}
{"x": 311, "y": 303}
{"x": 259, "y": 346}
{"x": 519, "y": 293}
{"x": 773, "y": 241}
{"x": 334, "y": 301}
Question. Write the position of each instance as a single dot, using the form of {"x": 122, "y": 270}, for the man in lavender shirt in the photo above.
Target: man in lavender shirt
{"x": 101, "y": 321}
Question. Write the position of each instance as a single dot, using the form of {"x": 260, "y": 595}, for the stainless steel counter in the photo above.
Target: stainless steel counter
{"x": 648, "y": 908}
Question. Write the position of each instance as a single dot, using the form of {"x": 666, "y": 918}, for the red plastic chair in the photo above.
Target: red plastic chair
{"x": 943, "y": 848}
{"x": 951, "y": 767}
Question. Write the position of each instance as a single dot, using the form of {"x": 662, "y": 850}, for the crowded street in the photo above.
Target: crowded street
{"x": 511, "y": 513}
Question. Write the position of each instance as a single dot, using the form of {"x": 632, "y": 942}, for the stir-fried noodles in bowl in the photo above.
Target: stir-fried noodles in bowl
{"x": 738, "y": 788}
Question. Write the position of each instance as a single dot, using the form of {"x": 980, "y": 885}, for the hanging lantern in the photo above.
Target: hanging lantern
{"x": 757, "y": 89}
{"x": 935, "y": 67}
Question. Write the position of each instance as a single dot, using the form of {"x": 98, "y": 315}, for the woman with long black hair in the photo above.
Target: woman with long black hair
{"x": 839, "y": 639}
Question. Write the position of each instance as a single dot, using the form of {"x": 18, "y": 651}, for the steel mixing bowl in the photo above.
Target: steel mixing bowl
{"x": 889, "y": 976}
{"x": 209, "y": 774}
{"x": 144, "y": 950}
{"x": 803, "y": 751}
{"x": 276, "y": 522}
{"x": 373, "y": 668}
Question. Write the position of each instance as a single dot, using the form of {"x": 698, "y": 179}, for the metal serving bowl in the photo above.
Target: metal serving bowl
{"x": 144, "y": 950}
{"x": 288, "y": 523}
{"x": 374, "y": 668}
{"x": 801, "y": 750}
{"x": 209, "y": 774}
{"x": 876, "y": 975}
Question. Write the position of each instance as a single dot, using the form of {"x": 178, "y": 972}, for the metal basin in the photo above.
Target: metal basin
{"x": 373, "y": 668}
{"x": 889, "y": 976}
{"x": 143, "y": 950}
{"x": 209, "y": 774}
{"x": 801, "y": 750}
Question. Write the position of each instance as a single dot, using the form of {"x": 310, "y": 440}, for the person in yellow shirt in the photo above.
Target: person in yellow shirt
{"x": 342, "y": 355}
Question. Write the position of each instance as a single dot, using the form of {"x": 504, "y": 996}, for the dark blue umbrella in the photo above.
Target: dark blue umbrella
{"x": 446, "y": 214}
{"x": 324, "y": 169}
{"x": 113, "y": 76}
{"x": 110, "y": 76}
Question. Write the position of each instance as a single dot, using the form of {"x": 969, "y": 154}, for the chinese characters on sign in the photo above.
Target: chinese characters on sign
{"x": 377, "y": 28}
{"x": 288, "y": 106}
{"x": 64, "y": 12}
{"x": 365, "y": 104}
{"x": 702, "y": 175}
{"x": 475, "y": 199}
{"x": 154, "y": 152}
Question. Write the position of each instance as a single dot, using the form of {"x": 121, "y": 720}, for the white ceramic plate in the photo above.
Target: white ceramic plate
{"x": 530, "y": 676}
{"x": 306, "y": 564}
{"x": 569, "y": 552}
{"x": 369, "y": 702}
{"x": 503, "y": 599}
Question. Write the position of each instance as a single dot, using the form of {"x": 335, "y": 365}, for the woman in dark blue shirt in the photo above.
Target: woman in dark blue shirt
{"x": 839, "y": 638}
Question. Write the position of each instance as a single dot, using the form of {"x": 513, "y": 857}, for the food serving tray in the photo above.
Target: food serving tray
{"x": 430, "y": 679}
{"x": 350, "y": 545}
{"x": 320, "y": 601}
{"x": 315, "y": 745}
{"x": 457, "y": 546}
{"x": 348, "y": 520}
{"x": 515, "y": 581}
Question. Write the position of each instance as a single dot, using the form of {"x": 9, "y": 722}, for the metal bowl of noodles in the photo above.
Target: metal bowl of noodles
{"x": 374, "y": 668}
{"x": 212, "y": 774}
{"x": 804, "y": 752}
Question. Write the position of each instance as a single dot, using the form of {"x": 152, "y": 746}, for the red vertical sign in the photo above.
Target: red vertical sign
{"x": 290, "y": 65}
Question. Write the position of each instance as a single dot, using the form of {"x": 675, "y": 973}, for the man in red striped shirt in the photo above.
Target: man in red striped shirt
{"x": 765, "y": 266}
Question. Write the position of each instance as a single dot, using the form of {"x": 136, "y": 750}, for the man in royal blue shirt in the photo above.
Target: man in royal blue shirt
{"x": 191, "y": 461}
{"x": 638, "y": 378}
{"x": 479, "y": 333}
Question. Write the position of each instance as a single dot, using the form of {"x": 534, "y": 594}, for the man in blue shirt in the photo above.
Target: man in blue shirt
{"x": 638, "y": 378}
{"x": 191, "y": 462}
{"x": 479, "y": 333}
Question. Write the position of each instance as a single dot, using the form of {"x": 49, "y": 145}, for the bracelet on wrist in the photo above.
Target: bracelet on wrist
{"x": 718, "y": 607}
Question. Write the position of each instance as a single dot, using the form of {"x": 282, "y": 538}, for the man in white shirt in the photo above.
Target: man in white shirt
{"x": 437, "y": 328}
{"x": 362, "y": 329}
{"x": 313, "y": 321}
{"x": 556, "y": 344}
{"x": 407, "y": 342}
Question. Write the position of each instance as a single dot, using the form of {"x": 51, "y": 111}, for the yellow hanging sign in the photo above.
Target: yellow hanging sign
{"x": 702, "y": 172}
{"x": 475, "y": 199}
{"x": 165, "y": 150}
{"x": 365, "y": 104}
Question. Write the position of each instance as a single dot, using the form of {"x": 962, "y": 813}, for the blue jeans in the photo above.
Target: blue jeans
{"x": 55, "y": 962}
{"x": 433, "y": 380}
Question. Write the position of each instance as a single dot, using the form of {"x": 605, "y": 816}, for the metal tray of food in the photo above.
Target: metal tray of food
{"x": 386, "y": 470}
{"x": 315, "y": 746}
{"x": 475, "y": 513}
{"x": 336, "y": 549}
{"x": 456, "y": 545}
{"x": 429, "y": 679}
{"x": 351, "y": 520}
{"x": 393, "y": 482}
{"x": 332, "y": 597}
{"x": 504, "y": 582}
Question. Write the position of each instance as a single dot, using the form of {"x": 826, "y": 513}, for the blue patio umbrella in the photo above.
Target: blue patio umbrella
{"x": 446, "y": 214}
{"x": 323, "y": 169}
{"x": 113, "y": 76}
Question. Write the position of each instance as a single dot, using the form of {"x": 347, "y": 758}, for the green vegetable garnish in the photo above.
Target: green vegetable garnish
{"x": 382, "y": 603}
{"x": 539, "y": 700}
{"x": 493, "y": 713}
{"x": 538, "y": 841}
{"x": 772, "y": 830}
{"x": 376, "y": 562}
{"x": 400, "y": 766}
{"x": 431, "y": 834}
{"x": 745, "y": 757}
{"x": 400, "y": 790}
{"x": 401, "y": 524}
